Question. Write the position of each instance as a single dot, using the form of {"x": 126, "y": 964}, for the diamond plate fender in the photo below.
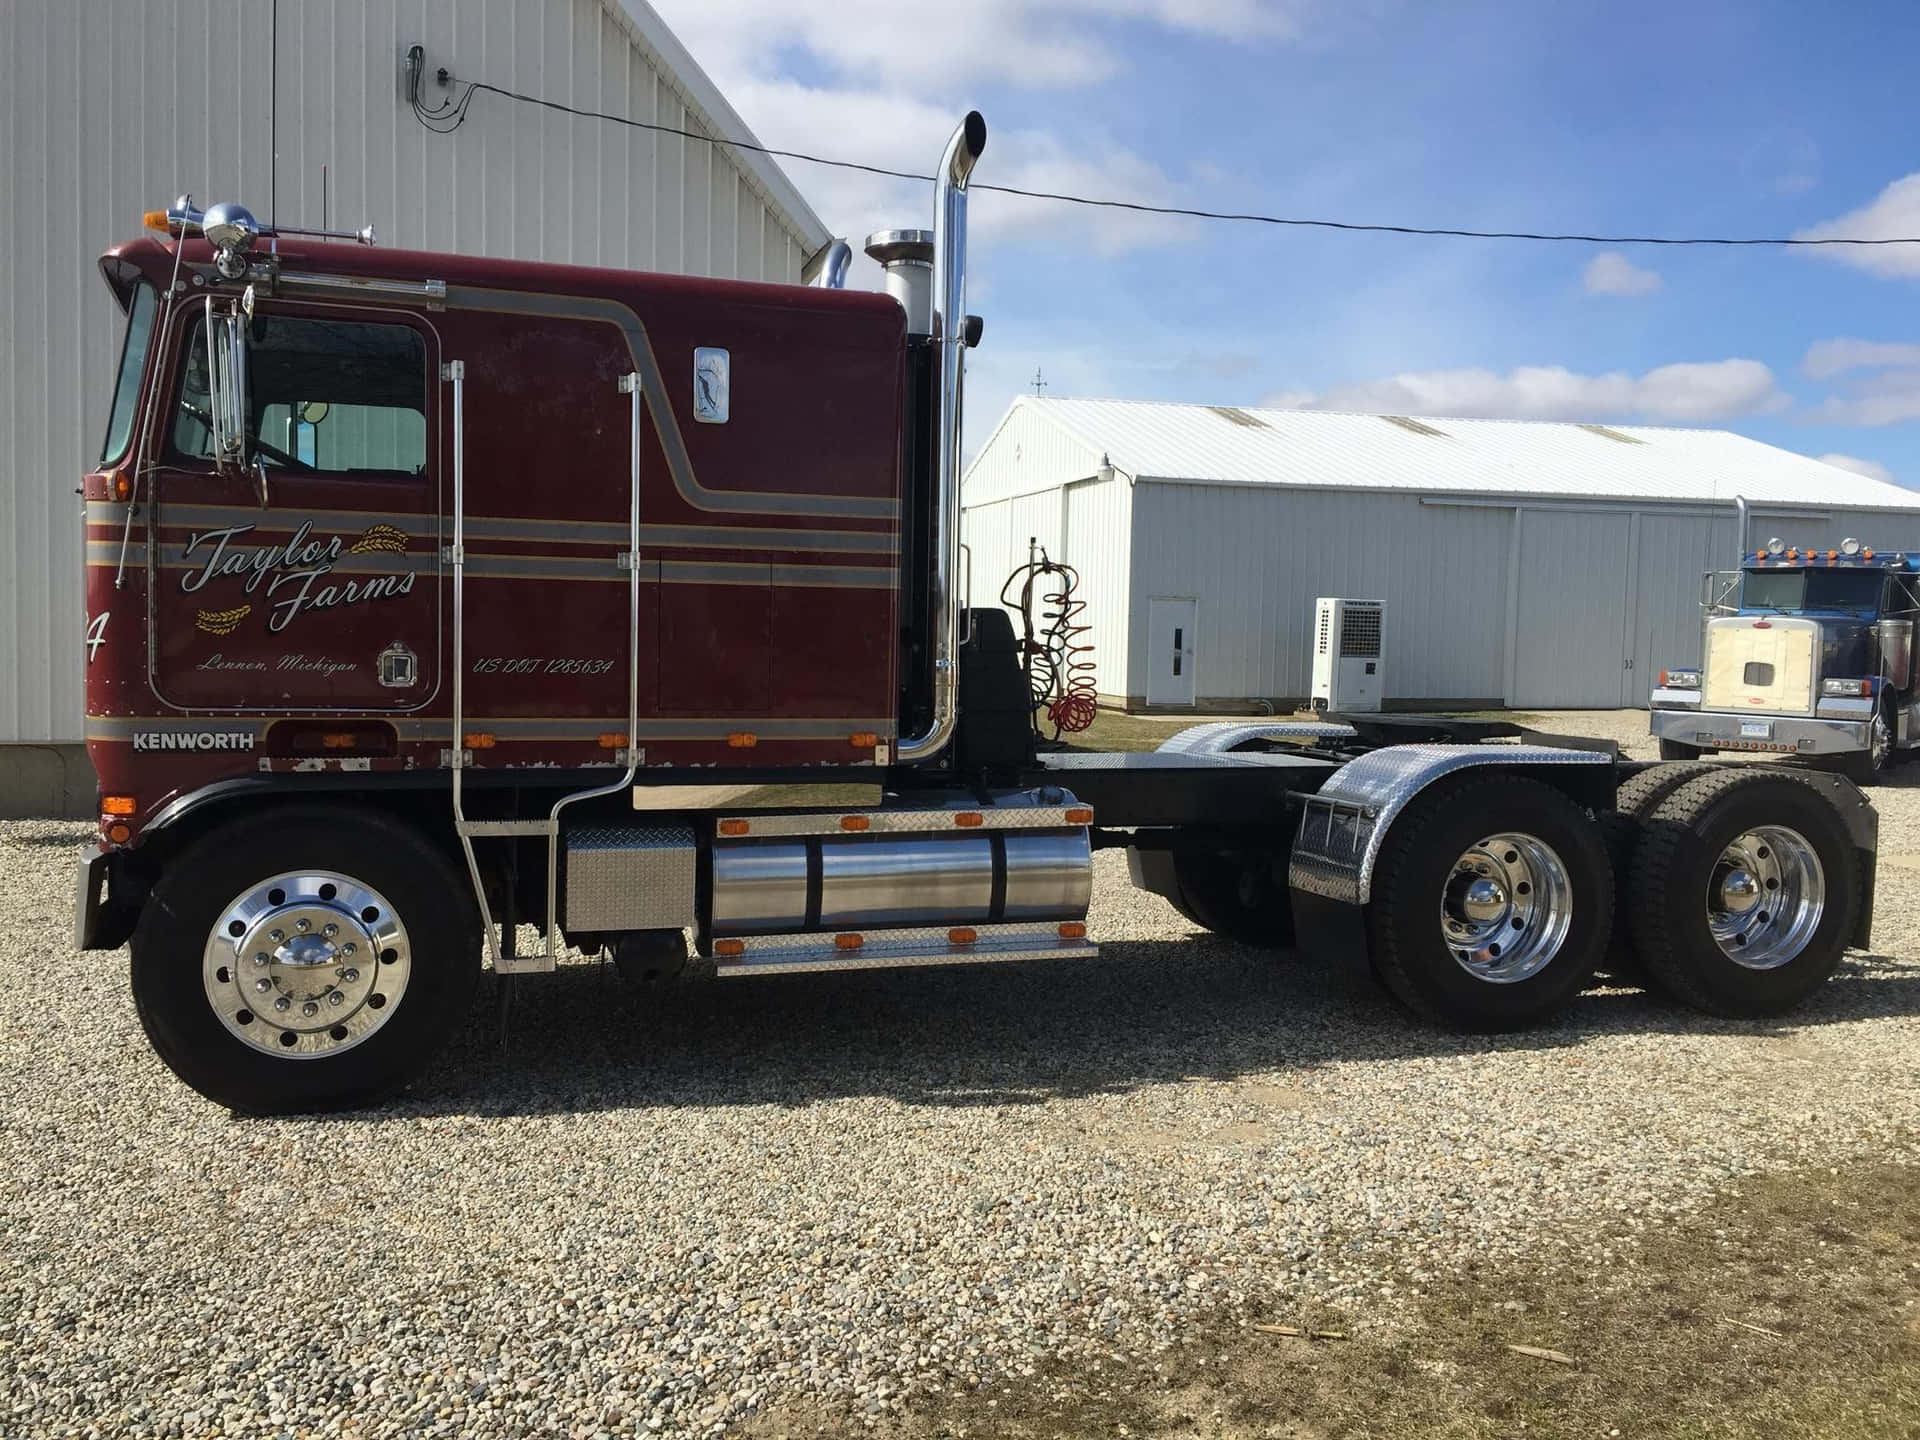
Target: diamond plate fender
{"x": 1217, "y": 737}
{"x": 1343, "y": 826}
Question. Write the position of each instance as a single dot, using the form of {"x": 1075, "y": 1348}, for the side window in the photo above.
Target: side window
{"x": 326, "y": 396}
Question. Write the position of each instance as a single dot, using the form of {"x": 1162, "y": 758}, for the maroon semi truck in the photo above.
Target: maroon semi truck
{"x": 432, "y": 596}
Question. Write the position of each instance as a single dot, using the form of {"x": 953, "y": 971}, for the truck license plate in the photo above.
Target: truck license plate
{"x": 1756, "y": 729}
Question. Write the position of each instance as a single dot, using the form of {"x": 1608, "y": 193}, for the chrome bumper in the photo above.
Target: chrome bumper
{"x": 1786, "y": 734}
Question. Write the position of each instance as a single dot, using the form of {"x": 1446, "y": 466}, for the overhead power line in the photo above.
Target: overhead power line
{"x": 447, "y": 118}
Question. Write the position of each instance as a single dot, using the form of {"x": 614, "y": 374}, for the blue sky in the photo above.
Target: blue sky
{"x": 1692, "y": 116}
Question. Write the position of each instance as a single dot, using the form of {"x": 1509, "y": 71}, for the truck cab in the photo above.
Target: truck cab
{"x": 1806, "y": 653}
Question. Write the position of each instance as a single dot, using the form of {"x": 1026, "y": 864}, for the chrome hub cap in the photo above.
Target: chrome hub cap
{"x": 306, "y": 964}
{"x": 1506, "y": 908}
{"x": 1766, "y": 897}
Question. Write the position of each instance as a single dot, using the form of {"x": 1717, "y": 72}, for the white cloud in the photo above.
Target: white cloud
{"x": 1684, "y": 393}
{"x": 1893, "y": 214}
{"x": 1872, "y": 469}
{"x": 885, "y": 83}
{"x": 1827, "y": 358}
{"x": 1611, "y": 273}
{"x": 1886, "y": 397}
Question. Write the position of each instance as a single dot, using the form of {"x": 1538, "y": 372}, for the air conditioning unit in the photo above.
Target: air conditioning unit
{"x": 1349, "y": 659}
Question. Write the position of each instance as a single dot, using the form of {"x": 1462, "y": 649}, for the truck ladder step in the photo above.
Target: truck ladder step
{"x": 891, "y": 949}
{"x": 478, "y": 828}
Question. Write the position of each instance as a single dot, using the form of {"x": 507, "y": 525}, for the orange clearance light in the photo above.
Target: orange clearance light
{"x": 117, "y": 804}
{"x": 613, "y": 740}
{"x": 733, "y": 827}
{"x": 863, "y": 740}
{"x": 962, "y": 935}
{"x": 1866, "y": 554}
{"x": 119, "y": 486}
{"x": 742, "y": 740}
{"x": 1833, "y": 554}
{"x": 119, "y": 833}
{"x": 1793, "y": 552}
{"x": 1760, "y": 555}
{"x": 969, "y": 819}
{"x": 1080, "y": 815}
{"x": 729, "y": 947}
{"x": 481, "y": 740}
{"x": 854, "y": 822}
{"x": 1073, "y": 930}
{"x": 848, "y": 942}
{"x": 155, "y": 220}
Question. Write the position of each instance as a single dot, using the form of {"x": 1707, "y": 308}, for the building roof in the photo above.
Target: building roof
{"x": 673, "y": 60}
{"x": 1330, "y": 450}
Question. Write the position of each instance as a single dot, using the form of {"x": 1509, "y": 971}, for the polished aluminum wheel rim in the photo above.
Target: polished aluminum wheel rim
{"x": 306, "y": 964}
{"x": 1879, "y": 743}
{"x": 1766, "y": 897}
{"x": 1506, "y": 908}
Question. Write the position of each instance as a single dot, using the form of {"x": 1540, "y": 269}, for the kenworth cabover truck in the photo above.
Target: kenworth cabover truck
{"x": 1806, "y": 653}
{"x": 431, "y": 596}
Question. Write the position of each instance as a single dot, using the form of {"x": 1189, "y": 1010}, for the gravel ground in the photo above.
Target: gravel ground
{"x": 648, "y": 1216}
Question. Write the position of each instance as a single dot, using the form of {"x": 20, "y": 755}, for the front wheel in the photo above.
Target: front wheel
{"x": 1491, "y": 903}
{"x": 1869, "y": 766}
{"x": 306, "y": 959}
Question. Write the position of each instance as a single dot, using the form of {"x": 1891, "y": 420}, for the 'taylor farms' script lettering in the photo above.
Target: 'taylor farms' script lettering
{"x": 294, "y": 572}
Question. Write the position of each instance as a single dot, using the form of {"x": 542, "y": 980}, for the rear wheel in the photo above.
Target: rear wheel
{"x": 307, "y": 959}
{"x": 1675, "y": 750}
{"x": 1492, "y": 900}
{"x": 1745, "y": 887}
{"x": 1638, "y": 796}
{"x": 1240, "y": 893}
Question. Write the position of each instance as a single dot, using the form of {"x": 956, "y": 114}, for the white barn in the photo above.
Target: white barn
{"x": 296, "y": 109}
{"x": 1523, "y": 563}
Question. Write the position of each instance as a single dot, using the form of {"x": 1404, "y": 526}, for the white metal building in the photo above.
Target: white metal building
{"x": 1522, "y": 563}
{"x": 111, "y": 110}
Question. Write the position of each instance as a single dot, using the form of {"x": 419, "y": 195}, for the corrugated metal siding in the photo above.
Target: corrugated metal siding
{"x": 1257, "y": 560}
{"x": 106, "y": 112}
{"x": 1026, "y": 452}
{"x": 1096, "y": 544}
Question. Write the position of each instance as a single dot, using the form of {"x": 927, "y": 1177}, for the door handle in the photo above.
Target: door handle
{"x": 260, "y": 478}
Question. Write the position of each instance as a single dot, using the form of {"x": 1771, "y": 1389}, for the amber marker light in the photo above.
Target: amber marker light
{"x": 119, "y": 832}
{"x": 962, "y": 935}
{"x": 482, "y": 740}
{"x": 742, "y": 740}
{"x": 339, "y": 740}
{"x": 969, "y": 819}
{"x": 1080, "y": 815}
{"x": 613, "y": 740}
{"x": 863, "y": 739}
{"x": 117, "y": 804}
{"x": 729, "y": 948}
{"x": 119, "y": 486}
{"x": 854, "y": 822}
{"x": 732, "y": 827}
{"x": 155, "y": 220}
{"x": 849, "y": 941}
{"x": 1073, "y": 930}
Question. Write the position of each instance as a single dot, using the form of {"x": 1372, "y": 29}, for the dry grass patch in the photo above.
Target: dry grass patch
{"x": 1787, "y": 1309}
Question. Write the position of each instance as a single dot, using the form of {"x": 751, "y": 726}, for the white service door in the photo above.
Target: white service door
{"x": 1170, "y": 626}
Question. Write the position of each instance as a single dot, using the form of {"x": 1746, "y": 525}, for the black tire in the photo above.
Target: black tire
{"x": 1870, "y": 766}
{"x": 1638, "y": 796}
{"x": 1676, "y": 750}
{"x": 429, "y": 899}
{"x": 1240, "y": 893}
{"x": 1675, "y": 863}
{"x": 1418, "y": 860}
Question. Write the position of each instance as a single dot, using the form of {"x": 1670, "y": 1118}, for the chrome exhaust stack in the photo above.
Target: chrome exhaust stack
{"x": 1740, "y": 539}
{"x": 950, "y": 333}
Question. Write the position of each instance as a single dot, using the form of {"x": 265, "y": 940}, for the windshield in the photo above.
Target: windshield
{"x": 126, "y": 389}
{"x": 1792, "y": 591}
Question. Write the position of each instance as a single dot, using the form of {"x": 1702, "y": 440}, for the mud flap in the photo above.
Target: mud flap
{"x": 1330, "y": 932}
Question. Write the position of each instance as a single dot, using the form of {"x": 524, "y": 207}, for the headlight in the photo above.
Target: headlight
{"x": 1846, "y": 687}
{"x": 1680, "y": 679}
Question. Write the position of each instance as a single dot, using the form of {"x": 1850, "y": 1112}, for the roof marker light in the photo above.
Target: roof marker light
{"x": 1866, "y": 554}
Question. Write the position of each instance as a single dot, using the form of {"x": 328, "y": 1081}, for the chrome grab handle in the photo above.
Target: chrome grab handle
{"x": 966, "y": 591}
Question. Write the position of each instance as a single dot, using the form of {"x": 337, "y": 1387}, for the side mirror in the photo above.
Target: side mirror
{"x": 227, "y": 384}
